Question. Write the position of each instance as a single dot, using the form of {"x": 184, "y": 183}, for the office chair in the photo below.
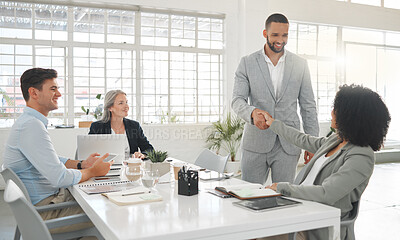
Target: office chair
{"x": 345, "y": 223}
{"x": 8, "y": 175}
{"x": 352, "y": 219}
{"x": 31, "y": 223}
{"x": 211, "y": 161}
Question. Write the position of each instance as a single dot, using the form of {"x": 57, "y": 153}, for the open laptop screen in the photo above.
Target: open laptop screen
{"x": 102, "y": 144}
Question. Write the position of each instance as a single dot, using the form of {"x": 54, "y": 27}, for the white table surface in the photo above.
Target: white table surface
{"x": 202, "y": 216}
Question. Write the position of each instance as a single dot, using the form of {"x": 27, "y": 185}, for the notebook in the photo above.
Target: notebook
{"x": 247, "y": 191}
{"x": 265, "y": 204}
{"x": 104, "y": 187}
{"x": 136, "y": 195}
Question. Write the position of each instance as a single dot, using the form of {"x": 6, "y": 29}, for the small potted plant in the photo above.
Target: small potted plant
{"x": 87, "y": 119}
{"x": 227, "y": 134}
{"x": 157, "y": 161}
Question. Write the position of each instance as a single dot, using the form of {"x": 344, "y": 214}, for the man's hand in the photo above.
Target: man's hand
{"x": 90, "y": 160}
{"x": 101, "y": 168}
{"x": 258, "y": 118}
{"x": 307, "y": 157}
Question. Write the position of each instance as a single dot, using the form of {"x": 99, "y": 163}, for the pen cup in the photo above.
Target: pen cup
{"x": 188, "y": 182}
{"x": 177, "y": 166}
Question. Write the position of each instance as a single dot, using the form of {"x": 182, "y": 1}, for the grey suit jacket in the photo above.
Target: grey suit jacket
{"x": 340, "y": 181}
{"x": 253, "y": 83}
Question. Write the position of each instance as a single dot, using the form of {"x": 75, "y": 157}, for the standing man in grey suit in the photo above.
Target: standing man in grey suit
{"x": 273, "y": 80}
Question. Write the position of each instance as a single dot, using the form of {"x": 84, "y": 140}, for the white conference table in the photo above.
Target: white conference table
{"x": 202, "y": 216}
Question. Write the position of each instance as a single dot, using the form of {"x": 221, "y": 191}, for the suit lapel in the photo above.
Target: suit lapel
{"x": 334, "y": 156}
{"x": 265, "y": 73}
{"x": 286, "y": 75}
{"x": 318, "y": 154}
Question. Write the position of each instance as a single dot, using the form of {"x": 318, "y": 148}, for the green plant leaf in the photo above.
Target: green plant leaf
{"x": 157, "y": 156}
{"x": 226, "y": 134}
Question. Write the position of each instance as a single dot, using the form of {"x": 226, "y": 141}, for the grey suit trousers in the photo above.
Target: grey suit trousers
{"x": 255, "y": 166}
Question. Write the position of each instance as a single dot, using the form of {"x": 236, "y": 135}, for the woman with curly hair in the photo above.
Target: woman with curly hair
{"x": 340, "y": 170}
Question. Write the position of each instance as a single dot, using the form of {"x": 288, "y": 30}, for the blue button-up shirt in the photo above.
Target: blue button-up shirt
{"x": 29, "y": 152}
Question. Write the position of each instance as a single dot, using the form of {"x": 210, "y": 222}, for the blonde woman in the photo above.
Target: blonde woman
{"x": 114, "y": 121}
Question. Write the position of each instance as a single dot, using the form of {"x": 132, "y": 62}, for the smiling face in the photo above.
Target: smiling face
{"x": 120, "y": 108}
{"x": 46, "y": 99}
{"x": 277, "y": 36}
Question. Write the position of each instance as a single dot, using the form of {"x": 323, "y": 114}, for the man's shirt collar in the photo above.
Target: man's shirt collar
{"x": 36, "y": 114}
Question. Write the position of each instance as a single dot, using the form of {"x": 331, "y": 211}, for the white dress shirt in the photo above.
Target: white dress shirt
{"x": 315, "y": 170}
{"x": 276, "y": 72}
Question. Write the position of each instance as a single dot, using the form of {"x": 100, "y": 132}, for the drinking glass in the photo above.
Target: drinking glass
{"x": 150, "y": 178}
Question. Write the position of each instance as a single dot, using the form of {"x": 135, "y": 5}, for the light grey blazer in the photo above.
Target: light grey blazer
{"x": 341, "y": 180}
{"x": 253, "y": 83}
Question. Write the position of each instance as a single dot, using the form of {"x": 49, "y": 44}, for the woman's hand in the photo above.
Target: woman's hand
{"x": 272, "y": 186}
{"x": 268, "y": 118}
{"x": 139, "y": 155}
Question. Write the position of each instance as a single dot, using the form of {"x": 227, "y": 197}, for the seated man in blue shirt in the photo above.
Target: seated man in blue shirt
{"x": 29, "y": 151}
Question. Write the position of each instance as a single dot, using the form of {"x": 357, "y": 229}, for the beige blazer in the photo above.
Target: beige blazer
{"x": 340, "y": 181}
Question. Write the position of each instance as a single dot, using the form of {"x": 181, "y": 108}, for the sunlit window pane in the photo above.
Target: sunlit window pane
{"x": 392, "y": 4}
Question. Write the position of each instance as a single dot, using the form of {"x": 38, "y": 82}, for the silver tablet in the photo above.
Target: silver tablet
{"x": 265, "y": 204}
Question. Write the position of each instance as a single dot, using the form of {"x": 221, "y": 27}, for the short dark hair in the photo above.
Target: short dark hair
{"x": 35, "y": 77}
{"x": 362, "y": 117}
{"x": 276, "y": 17}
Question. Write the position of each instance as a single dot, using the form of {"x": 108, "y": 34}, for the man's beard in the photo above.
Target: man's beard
{"x": 272, "y": 47}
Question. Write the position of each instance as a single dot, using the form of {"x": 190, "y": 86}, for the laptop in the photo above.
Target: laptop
{"x": 102, "y": 144}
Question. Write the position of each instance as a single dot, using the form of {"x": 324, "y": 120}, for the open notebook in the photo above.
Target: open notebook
{"x": 247, "y": 191}
{"x": 135, "y": 195}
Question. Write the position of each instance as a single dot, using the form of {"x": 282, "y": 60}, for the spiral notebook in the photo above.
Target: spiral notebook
{"x": 104, "y": 187}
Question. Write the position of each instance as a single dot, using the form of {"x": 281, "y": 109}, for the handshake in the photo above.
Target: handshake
{"x": 261, "y": 119}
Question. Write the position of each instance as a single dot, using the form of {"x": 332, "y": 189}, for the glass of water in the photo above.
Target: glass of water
{"x": 150, "y": 178}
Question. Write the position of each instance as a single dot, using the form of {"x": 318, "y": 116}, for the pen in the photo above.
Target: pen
{"x": 128, "y": 194}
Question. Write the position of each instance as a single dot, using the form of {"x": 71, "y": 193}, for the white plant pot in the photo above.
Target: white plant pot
{"x": 233, "y": 166}
{"x": 162, "y": 167}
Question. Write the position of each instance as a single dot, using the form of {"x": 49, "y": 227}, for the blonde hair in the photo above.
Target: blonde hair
{"x": 109, "y": 100}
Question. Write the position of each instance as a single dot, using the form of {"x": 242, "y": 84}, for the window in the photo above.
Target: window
{"x": 169, "y": 64}
{"x": 359, "y": 56}
{"x": 317, "y": 44}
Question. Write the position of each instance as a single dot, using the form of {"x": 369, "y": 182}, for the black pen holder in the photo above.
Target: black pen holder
{"x": 188, "y": 182}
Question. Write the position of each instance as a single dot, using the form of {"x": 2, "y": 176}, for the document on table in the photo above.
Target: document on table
{"x": 247, "y": 191}
{"x": 133, "y": 196}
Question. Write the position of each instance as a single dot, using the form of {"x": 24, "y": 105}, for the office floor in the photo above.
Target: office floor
{"x": 379, "y": 216}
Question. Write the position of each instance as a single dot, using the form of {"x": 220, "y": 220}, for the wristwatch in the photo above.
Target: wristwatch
{"x": 79, "y": 165}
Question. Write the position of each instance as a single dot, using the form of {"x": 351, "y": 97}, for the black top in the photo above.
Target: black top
{"x": 134, "y": 132}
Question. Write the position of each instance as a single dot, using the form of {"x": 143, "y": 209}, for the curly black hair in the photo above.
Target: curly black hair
{"x": 362, "y": 117}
